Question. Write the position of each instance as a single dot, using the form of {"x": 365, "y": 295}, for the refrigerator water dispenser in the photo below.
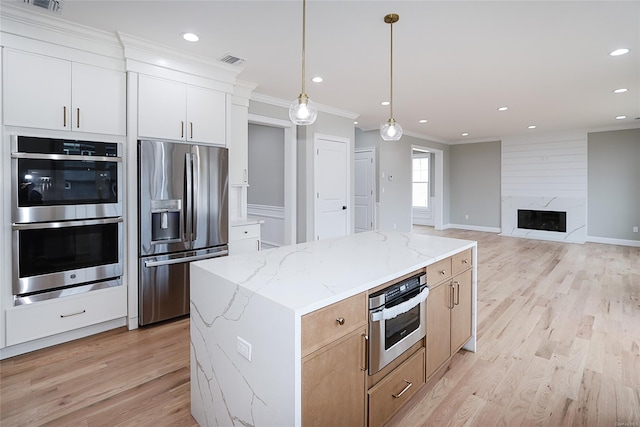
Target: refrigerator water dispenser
{"x": 166, "y": 221}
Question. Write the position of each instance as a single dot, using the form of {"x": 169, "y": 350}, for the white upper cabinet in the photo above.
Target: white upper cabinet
{"x": 50, "y": 93}
{"x": 175, "y": 110}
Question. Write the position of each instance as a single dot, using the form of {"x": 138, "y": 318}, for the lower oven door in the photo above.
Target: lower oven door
{"x": 54, "y": 255}
{"x": 395, "y": 327}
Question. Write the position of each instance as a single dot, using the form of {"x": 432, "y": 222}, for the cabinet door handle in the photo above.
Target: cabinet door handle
{"x": 365, "y": 352}
{"x": 78, "y": 118}
{"x": 456, "y": 292}
{"x": 407, "y": 387}
{"x": 340, "y": 321}
{"x": 452, "y": 291}
{"x": 191, "y": 129}
{"x": 64, "y": 116}
{"x": 73, "y": 314}
{"x": 443, "y": 272}
{"x": 182, "y": 129}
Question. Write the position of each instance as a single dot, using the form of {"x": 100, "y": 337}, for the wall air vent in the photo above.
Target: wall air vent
{"x": 52, "y": 5}
{"x": 232, "y": 60}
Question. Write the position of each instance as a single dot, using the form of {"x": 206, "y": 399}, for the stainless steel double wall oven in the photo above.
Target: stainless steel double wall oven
{"x": 67, "y": 225}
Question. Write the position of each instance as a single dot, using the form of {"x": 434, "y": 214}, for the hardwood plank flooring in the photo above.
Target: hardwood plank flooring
{"x": 558, "y": 345}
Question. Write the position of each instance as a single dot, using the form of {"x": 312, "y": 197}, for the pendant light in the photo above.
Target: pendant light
{"x": 302, "y": 112}
{"x": 391, "y": 130}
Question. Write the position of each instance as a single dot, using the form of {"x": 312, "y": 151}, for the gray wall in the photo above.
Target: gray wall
{"x": 394, "y": 196}
{"x": 327, "y": 124}
{"x": 475, "y": 184}
{"x": 613, "y": 206}
{"x": 266, "y": 165}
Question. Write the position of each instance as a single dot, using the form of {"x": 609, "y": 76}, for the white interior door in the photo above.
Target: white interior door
{"x": 331, "y": 182}
{"x": 364, "y": 190}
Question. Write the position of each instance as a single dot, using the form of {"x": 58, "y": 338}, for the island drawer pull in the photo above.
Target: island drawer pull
{"x": 443, "y": 272}
{"x": 407, "y": 387}
{"x": 340, "y": 321}
{"x": 465, "y": 261}
{"x": 73, "y": 314}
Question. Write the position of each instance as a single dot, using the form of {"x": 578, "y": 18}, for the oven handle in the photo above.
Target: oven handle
{"x": 390, "y": 313}
{"x": 63, "y": 224}
{"x": 68, "y": 157}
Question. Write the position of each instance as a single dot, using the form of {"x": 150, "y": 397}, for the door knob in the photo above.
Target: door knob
{"x": 344, "y": 208}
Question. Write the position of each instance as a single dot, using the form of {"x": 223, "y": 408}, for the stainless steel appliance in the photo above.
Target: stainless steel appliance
{"x": 183, "y": 216}
{"x": 397, "y": 316}
{"x": 66, "y": 217}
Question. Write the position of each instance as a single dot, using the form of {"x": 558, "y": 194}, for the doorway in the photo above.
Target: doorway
{"x": 365, "y": 190}
{"x": 277, "y": 211}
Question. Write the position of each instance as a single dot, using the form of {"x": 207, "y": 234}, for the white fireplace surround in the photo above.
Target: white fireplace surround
{"x": 545, "y": 172}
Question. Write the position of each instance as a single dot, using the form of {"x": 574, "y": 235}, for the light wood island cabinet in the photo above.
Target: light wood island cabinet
{"x": 449, "y": 308}
{"x": 334, "y": 365}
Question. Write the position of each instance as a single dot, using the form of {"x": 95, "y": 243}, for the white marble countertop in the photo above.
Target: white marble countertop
{"x": 245, "y": 221}
{"x": 308, "y": 276}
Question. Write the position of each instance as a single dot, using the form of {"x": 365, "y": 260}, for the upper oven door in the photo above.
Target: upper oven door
{"x": 57, "y": 180}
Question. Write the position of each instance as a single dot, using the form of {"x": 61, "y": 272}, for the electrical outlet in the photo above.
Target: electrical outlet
{"x": 635, "y": 229}
{"x": 466, "y": 216}
{"x": 244, "y": 348}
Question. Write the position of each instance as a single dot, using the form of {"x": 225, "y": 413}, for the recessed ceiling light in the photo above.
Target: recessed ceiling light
{"x": 503, "y": 108}
{"x": 422, "y": 121}
{"x": 384, "y": 103}
{"x": 190, "y": 37}
{"x": 619, "y": 52}
{"x": 621, "y": 117}
{"x": 355, "y": 123}
{"x": 531, "y": 127}
{"x": 465, "y": 133}
{"x": 317, "y": 79}
{"x": 621, "y": 90}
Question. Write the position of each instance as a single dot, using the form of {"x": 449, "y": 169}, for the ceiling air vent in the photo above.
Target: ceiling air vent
{"x": 232, "y": 60}
{"x": 52, "y": 5}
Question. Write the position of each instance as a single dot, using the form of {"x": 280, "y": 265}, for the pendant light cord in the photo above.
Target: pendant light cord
{"x": 304, "y": 19}
{"x": 391, "y": 75}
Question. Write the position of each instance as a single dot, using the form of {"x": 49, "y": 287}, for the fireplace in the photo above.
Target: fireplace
{"x": 542, "y": 220}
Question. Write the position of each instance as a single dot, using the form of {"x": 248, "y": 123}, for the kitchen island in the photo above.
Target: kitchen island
{"x": 247, "y": 310}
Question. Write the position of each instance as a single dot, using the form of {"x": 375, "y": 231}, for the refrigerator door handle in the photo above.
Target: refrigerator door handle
{"x": 155, "y": 263}
{"x": 188, "y": 183}
{"x": 195, "y": 171}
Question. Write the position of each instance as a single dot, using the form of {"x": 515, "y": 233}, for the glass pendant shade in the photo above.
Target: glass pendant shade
{"x": 302, "y": 112}
{"x": 390, "y": 131}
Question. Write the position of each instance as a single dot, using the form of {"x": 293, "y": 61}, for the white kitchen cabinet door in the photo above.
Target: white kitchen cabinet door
{"x": 161, "y": 108}
{"x": 206, "y": 118}
{"x": 98, "y": 100}
{"x": 239, "y": 146}
{"x": 37, "y": 91}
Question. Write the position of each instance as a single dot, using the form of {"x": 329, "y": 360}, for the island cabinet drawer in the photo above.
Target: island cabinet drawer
{"x": 46, "y": 318}
{"x": 438, "y": 272}
{"x": 461, "y": 261}
{"x": 327, "y": 324}
{"x": 395, "y": 390}
{"x": 246, "y": 231}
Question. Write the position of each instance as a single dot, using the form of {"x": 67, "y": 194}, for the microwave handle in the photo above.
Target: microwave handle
{"x": 390, "y": 313}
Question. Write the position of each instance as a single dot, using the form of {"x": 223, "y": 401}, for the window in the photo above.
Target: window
{"x": 421, "y": 181}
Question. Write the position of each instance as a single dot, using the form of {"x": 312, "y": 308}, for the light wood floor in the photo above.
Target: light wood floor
{"x": 558, "y": 341}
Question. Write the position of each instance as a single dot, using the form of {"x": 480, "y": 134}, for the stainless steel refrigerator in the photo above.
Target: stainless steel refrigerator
{"x": 183, "y": 217}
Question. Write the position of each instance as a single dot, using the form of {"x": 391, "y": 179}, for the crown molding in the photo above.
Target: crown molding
{"x": 278, "y": 102}
{"x": 140, "y": 53}
{"x": 25, "y": 21}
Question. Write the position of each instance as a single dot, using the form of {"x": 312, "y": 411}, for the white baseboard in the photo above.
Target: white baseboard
{"x": 473, "y": 228}
{"x": 610, "y": 241}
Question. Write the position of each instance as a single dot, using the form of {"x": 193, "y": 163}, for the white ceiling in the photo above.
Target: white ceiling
{"x": 455, "y": 62}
